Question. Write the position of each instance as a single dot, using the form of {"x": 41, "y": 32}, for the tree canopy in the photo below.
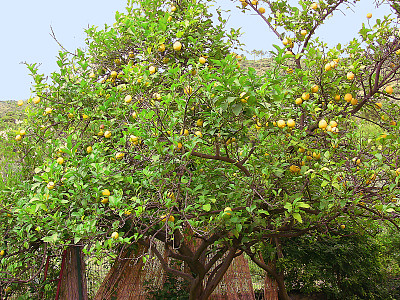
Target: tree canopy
{"x": 155, "y": 132}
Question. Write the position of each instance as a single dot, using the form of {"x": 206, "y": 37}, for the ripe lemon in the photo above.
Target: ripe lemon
{"x": 305, "y": 96}
{"x": 119, "y": 155}
{"x": 281, "y": 123}
{"x": 348, "y": 97}
{"x": 303, "y": 32}
{"x": 314, "y": 89}
{"x": 106, "y": 192}
{"x": 369, "y": 16}
{"x": 322, "y": 124}
{"x": 389, "y": 90}
{"x": 261, "y": 10}
{"x": 152, "y": 69}
{"x": 350, "y": 75}
{"x": 128, "y": 98}
{"x": 285, "y": 41}
{"x": 114, "y": 235}
{"x": 107, "y": 134}
{"x": 298, "y": 101}
{"x": 202, "y": 60}
{"x": 36, "y": 100}
{"x": 378, "y": 104}
{"x": 50, "y": 185}
{"x": 161, "y": 48}
{"x": 185, "y": 132}
{"x": 177, "y": 46}
{"x": 328, "y": 67}
{"x": 291, "y": 123}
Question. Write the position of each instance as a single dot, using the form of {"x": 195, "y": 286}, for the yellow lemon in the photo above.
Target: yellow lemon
{"x": 177, "y": 46}
{"x": 322, "y": 124}
{"x": 36, "y": 100}
{"x": 128, "y": 98}
{"x": 389, "y": 90}
{"x": 350, "y": 75}
{"x": 281, "y": 123}
{"x": 291, "y": 123}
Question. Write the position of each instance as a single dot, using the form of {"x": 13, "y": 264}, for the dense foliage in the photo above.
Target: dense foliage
{"x": 343, "y": 266}
{"x": 156, "y": 133}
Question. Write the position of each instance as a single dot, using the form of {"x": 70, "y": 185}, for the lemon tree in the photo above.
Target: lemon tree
{"x": 342, "y": 153}
{"x": 155, "y": 132}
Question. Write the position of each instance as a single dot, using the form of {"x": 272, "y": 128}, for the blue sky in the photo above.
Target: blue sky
{"x": 25, "y": 32}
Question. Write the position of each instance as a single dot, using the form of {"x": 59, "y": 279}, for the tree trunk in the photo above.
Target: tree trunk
{"x": 196, "y": 289}
{"x": 270, "y": 288}
{"x": 73, "y": 285}
{"x": 283, "y": 295}
{"x": 236, "y": 283}
{"x": 125, "y": 279}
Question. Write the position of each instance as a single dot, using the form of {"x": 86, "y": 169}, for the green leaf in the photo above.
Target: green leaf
{"x": 302, "y": 204}
{"x": 51, "y": 239}
{"x": 297, "y": 216}
{"x": 288, "y": 206}
{"x": 207, "y": 207}
{"x": 237, "y": 108}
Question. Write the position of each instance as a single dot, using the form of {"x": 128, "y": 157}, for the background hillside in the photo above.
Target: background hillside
{"x": 9, "y": 112}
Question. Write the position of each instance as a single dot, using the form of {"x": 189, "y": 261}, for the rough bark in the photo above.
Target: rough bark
{"x": 125, "y": 279}
{"x": 73, "y": 283}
